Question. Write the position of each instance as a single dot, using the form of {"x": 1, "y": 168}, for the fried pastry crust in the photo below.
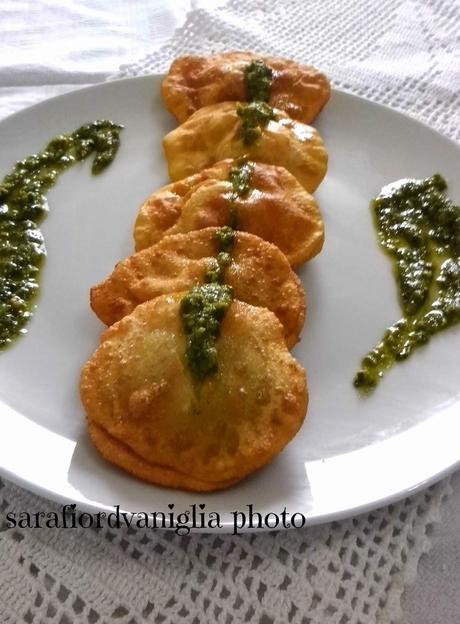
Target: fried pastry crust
{"x": 196, "y": 81}
{"x": 276, "y": 209}
{"x": 213, "y": 133}
{"x": 259, "y": 274}
{"x": 147, "y": 415}
{"x": 161, "y": 210}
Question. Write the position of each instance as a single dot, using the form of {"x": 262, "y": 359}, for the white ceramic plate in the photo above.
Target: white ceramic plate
{"x": 352, "y": 454}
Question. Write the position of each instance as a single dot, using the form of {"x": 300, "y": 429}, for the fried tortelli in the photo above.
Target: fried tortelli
{"x": 147, "y": 415}
{"x": 162, "y": 209}
{"x": 259, "y": 274}
{"x": 196, "y": 81}
{"x": 276, "y": 208}
{"x": 214, "y": 133}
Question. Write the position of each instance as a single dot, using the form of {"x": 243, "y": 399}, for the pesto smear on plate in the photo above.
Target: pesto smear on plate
{"x": 419, "y": 228}
{"x": 23, "y": 205}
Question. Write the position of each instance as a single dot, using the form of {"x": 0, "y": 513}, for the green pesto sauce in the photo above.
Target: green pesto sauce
{"x": 254, "y": 117}
{"x": 258, "y": 80}
{"x": 202, "y": 310}
{"x": 225, "y": 239}
{"x": 23, "y": 205}
{"x": 203, "y": 307}
{"x": 419, "y": 228}
{"x": 240, "y": 177}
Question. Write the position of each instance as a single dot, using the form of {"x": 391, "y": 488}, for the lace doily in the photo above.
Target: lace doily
{"x": 348, "y": 572}
{"x": 402, "y": 53}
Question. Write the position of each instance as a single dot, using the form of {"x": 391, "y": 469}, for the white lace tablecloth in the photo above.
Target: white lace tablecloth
{"x": 405, "y": 53}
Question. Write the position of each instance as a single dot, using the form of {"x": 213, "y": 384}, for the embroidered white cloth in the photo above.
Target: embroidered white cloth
{"x": 404, "y": 53}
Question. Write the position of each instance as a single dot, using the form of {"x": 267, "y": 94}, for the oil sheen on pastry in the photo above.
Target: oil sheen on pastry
{"x": 275, "y": 207}
{"x": 217, "y": 132}
{"x": 196, "y": 81}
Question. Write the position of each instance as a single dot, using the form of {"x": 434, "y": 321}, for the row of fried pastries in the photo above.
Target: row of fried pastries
{"x": 145, "y": 411}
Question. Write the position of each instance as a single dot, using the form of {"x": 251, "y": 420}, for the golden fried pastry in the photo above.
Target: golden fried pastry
{"x": 276, "y": 208}
{"x": 196, "y": 81}
{"x": 161, "y": 210}
{"x": 148, "y": 415}
{"x": 216, "y": 132}
{"x": 259, "y": 274}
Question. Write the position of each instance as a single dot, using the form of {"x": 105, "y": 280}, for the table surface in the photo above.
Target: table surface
{"x": 50, "y": 47}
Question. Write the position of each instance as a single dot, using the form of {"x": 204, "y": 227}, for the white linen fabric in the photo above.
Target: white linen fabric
{"x": 404, "y": 53}
{"x": 48, "y": 47}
